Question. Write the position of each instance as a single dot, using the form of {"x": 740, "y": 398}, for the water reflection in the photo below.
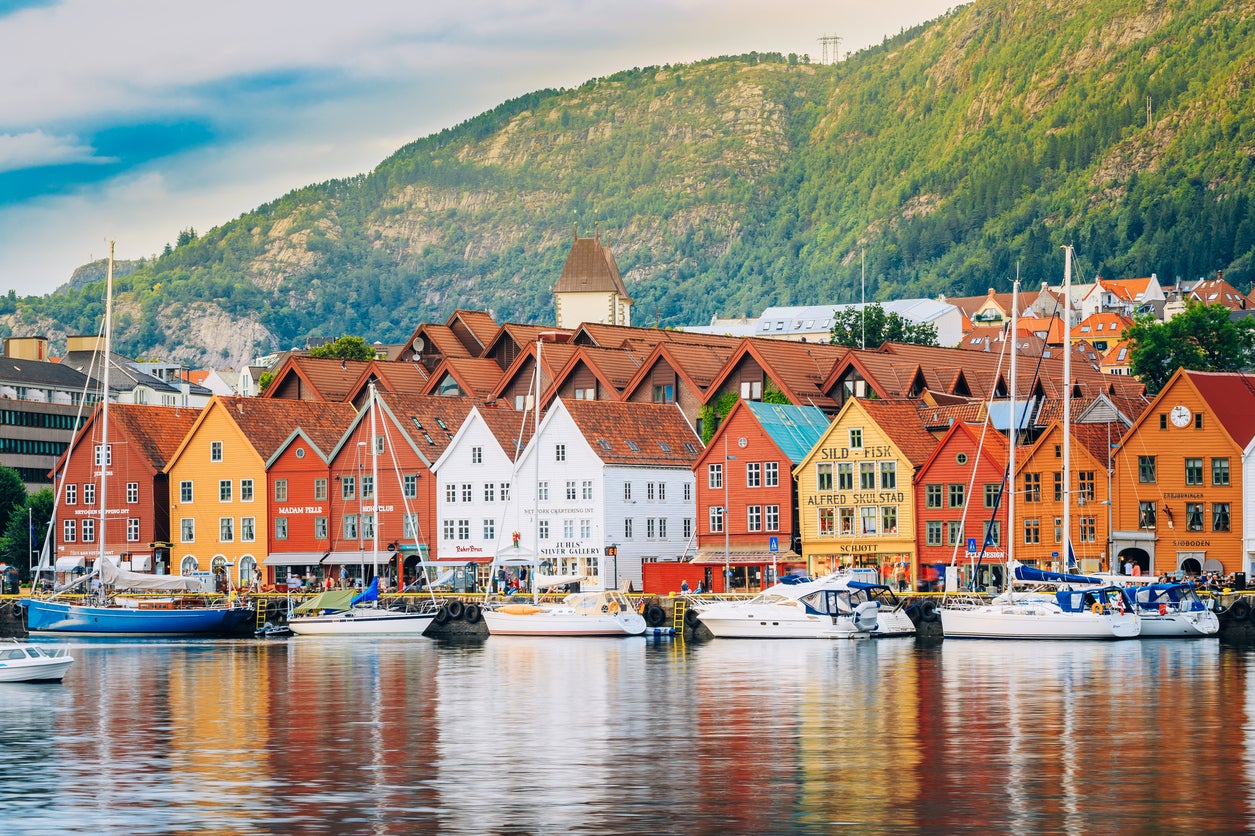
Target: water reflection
{"x": 535, "y": 735}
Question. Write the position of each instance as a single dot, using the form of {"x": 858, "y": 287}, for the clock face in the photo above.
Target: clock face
{"x": 1180, "y": 415}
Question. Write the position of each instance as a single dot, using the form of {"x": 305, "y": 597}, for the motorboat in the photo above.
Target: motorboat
{"x": 346, "y": 612}
{"x": 1091, "y": 613}
{"x": 31, "y": 663}
{"x": 606, "y": 613}
{"x": 839, "y": 605}
{"x": 1171, "y": 609}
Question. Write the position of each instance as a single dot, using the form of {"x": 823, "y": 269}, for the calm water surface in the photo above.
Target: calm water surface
{"x": 518, "y": 735}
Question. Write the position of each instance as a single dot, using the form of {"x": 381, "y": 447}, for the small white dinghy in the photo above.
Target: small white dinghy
{"x": 32, "y": 663}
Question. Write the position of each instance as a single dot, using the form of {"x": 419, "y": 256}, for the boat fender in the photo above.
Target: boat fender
{"x": 654, "y": 616}
{"x": 1240, "y": 609}
{"x": 928, "y": 611}
{"x": 614, "y": 607}
{"x": 1096, "y": 609}
{"x": 456, "y": 608}
{"x": 471, "y": 614}
{"x": 1163, "y": 609}
{"x": 605, "y": 608}
{"x": 1120, "y": 605}
{"x": 691, "y": 620}
{"x": 442, "y": 615}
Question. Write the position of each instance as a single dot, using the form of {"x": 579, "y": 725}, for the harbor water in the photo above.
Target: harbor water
{"x": 636, "y": 736}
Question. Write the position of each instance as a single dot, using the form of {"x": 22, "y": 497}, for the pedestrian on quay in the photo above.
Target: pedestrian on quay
{"x": 344, "y": 577}
{"x": 684, "y": 587}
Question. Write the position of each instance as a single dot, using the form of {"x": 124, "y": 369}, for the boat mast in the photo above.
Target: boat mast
{"x": 1015, "y": 430}
{"x": 104, "y": 415}
{"x": 1067, "y": 406}
{"x": 536, "y": 480}
{"x": 374, "y": 482}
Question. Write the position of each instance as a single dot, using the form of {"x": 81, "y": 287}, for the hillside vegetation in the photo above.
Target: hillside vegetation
{"x": 950, "y": 155}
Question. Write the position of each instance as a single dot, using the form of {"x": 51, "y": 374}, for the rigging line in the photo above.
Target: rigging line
{"x": 405, "y": 505}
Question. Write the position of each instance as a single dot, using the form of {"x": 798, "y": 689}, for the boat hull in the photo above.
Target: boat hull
{"x": 733, "y": 621}
{"x": 368, "y": 623}
{"x": 1020, "y": 621}
{"x": 554, "y": 623}
{"x": 1180, "y": 625}
{"x": 52, "y": 670}
{"x": 61, "y": 618}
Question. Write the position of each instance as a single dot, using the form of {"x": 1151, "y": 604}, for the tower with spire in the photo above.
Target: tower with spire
{"x": 591, "y": 289}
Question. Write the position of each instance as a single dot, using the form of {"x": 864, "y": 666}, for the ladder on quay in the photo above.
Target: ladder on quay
{"x": 677, "y": 616}
{"x": 261, "y": 606}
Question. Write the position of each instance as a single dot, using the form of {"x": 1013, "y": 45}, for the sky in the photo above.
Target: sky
{"x": 131, "y": 120}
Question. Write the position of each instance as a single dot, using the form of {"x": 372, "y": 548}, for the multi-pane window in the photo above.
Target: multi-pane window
{"x": 754, "y": 517}
{"x": 888, "y": 476}
{"x": 248, "y": 529}
{"x": 954, "y": 532}
{"x": 215, "y": 451}
{"x": 477, "y": 455}
{"x": 281, "y": 490}
{"x": 89, "y": 493}
{"x": 1032, "y": 531}
{"x": 1193, "y": 471}
{"x": 1032, "y": 487}
{"x": 71, "y": 493}
{"x": 993, "y": 532}
{"x": 409, "y": 525}
{"x": 449, "y": 528}
{"x": 688, "y": 492}
{"x": 368, "y": 487}
{"x": 187, "y": 530}
{"x": 932, "y": 496}
{"x": 773, "y": 517}
{"x": 649, "y": 490}
{"x": 688, "y": 527}
{"x": 409, "y": 485}
{"x": 771, "y": 474}
{"x": 957, "y": 492}
{"x": 568, "y": 529}
{"x": 662, "y": 528}
{"x": 542, "y": 530}
{"x": 368, "y": 526}
{"x": 650, "y": 528}
{"x": 889, "y": 519}
{"x": 587, "y": 489}
{"x": 570, "y": 489}
{"x": 468, "y": 491}
{"x": 716, "y": 518}
{"x": 856, "y": 438}
{"x": 1146, "y": 514}
{"x": 490, "y": 529}
{"x": 1220, "y": 516}
{"x": 1058, "y": 494}
{"x": 991, "y": 494}
{"x": 185, "y": 491}
{"x": 224, "y": 490}
{"x": 69, "y": 530}
{"x": 586, "y": 528}
{"x": 827, "y": 522}
{"x": 753, "y": 474}
{"x": 89, "y": 531}
{"x": 932, "y": 533}
{"x": 132, "y": 492}
{"x": 108, "y": 452}
{"x": 1220, "y": 472}
{"x": 320, "y": 490}
{"x": 559, "y": 452}
{"x": 542, "y": 491}
{"x": 714, "y": 476}
{"x": 226, "y": 530}
{"x": 1058, "y": 529}
{"x": 1085, "y": 485}
{"x": 867, "y": 518}
{"x": 348, "y": 487}
{"x": 1194, "y": 516}
{"x": 627, "y": 490}
{"x": 867, "y": 476}
{"x": 132, "y": 530}
{"x": 350, "y": 526}
{"x": 451, "y": 493}
{"x": 320, "y": 528}
{"x": 823, "y": 476}
{"x": 627, "y": 528}
{"x": 845, "y": 521}
{"x": 505, "y": 491}
{"x": 1088, "y": 530}
{"x": 1146, "y": 469}
{"x": 490, "y": 492}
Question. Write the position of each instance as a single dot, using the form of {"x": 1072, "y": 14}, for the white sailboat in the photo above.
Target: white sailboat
{"x": 1090, "y": 612}
{"x": 603, "y": 613}
{"x": 344, "y": 613}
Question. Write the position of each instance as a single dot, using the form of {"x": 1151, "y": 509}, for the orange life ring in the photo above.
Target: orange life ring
{"x": 1096, "y": 609}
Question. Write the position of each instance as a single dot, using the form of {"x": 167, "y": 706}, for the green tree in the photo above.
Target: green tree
{"x": 850, "y": 327}
{"x": 12, "y": 495}
{"x": 1203, "y": 338}
{"x": 24, "y": 533}
{"x": 345, "y": 348}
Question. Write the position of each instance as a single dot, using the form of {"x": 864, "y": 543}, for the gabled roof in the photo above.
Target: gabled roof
{"x": 476, "y": 377}
{"x": 590, "y": 268}
{"x": 794, "y": 429}
{"x": 524, "y": 335}
{"x": 635, "y": 434}
{"x": 1218, "y": 292}
{"x": 156, "y": 432}
{"x": 400, "y": 377}
{"x": 1101, "y": 325}
{"x": 798, "y": 369}
{"x": 268, "y": 423}
{"x": 613, "y": 367}
{"x": 478, "y": 324}
{"x": 553, "y": 358}
{"x": 511, "y": 429}
{"x": 315, "y": 379}
{"x": 633, "y": 336}
{"x": 698, "y": 365}
{"x": 1231, "y": 396}
{"x": 900, "y": 420}
{"x": 428, "y": 421}
{"x": 993, "y": 447}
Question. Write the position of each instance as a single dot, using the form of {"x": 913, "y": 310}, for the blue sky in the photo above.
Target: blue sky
{"x": 133, "y": 119}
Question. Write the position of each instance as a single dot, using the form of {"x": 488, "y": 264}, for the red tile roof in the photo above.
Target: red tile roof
{"x": 430, "y": 421}
{"x": 268, "y": 422}
{"x": 156, "y": 431}
{"x": 319, "y": 379}
{"x": 901, "y": 421}
{"x": 1231, "y": 397}
{"x": 641, "y": 434}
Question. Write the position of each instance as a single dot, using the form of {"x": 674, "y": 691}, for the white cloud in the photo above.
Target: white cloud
{"x": 36, "y": 148}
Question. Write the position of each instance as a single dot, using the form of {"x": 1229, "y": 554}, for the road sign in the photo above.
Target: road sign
{"x": 773, "y": 544}
{"x": 971, "y": 544}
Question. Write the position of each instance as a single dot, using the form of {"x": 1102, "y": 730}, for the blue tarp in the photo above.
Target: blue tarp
{"x": 1030, "y": 573}
{"x": 371, "y": 593}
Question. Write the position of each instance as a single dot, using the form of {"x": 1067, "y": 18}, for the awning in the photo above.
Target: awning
{"x": 293, "y": 559}
{"x": 367, "y": 558}
{"x": 141, "y": 562}
{"x": 69, "y": 564}
{"x": 710, "y": 556}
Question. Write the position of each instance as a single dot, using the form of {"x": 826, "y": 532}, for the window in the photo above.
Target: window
{"x": 559, "y": 452}
{"x": 477, "y": 455}
{"x": 1220, "y": 472}
{"x": 688, "y": 527}
{"x": 688, "y": 492}
{"x": 320, "y": 490}
{"x": 368, "y": 487}
{"x": 89, "y": 493}
{"x": 932, "y": 533}
{"x": 409, "y": 485}
{"x": 991, "y": 494}
{"x": 753, "y": 474}
{"x": 409, "y": 525}
{"x": 888, "y": 519}
{"x": 867, "y": 476}
{"x": 1163, "y": 420}
{"x": 348, "y": 487}
{"x": 224, "y": 490}
{"x": 716, "y": 518}
{"x": 226, "y": 530}
{"x": 1194, "y": 516}
{"x": 281, "y": 528}
{"x": 451, "y": 493}
{"x": 71, "y": 493}
{"x": 1058, "y": 486}
{"x": 320, "y": 528}
{"x": 505, "y": 491}
{"x": 823, "y": 476}
{"x": 1193, "y": 471}
{"x": 754, "y": 517}
{"x": 542, "y": 491}
{"x": 368, "y": 525}
{"x": 954, "y": 532}
{"x": 587, "y": 489}
{"x": 845, "y": 476}
{"x": 248, "y": 529}
{"x": 89, "y": 531}
{"x": 570, "y": 489}
{"x": 464, "y": 529}
{"x": 1085, "y": 485}
{"x": 627, "y": 528}
{"x": 187, "y": 530}
{"x": 1145, "y": 514}
{"x": 246, "y": 490}
{"x": 350, "y": 526}
{"x": 281, "y": 490}
{"x": 449, "y": 528}
{"x": 215, "y": 451}
{"x": 856, "y": 438}
{"x": 752, "y": 390}
{"x": 132, "y": 530}
{"x": 586, "y": 528}
{"x": 108, "y": 455}
{"x": 845, "y": 522}
{"x": 932, "y": 496}
{"x": 1032, "y": 531}
{"x": 1146, "y": 469}
{"x": 773, "y": 517}
{"x": 1058, "y": 529}
{"x": 1198, "y": 420}
{"x": 664, "y": 393}
{"x": 714, "y": 476}
{"x": 132, "y": 492}
{"x": 771, "y": 474}
{"x": 1088, "y": 530}
{"x": 993, "y": 532}
{"x": 888, "y": 476}
{"x": 1220, "y": 516}
{"x": 867, "y": 519}
{"x": 649, "y": 529}
{"x": 662, "y": 528}
{"x": 490, "y": 492}
{"x": 468, "y": 491}
{"x": 490, "y": 529}
{"x": 1032, "y": 487}
{"x": 957, "y": 493}
{"x": 69, "y": 530}
{"x": 827, "y": 522}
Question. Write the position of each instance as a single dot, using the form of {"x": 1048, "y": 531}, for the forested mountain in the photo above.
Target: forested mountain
{"x": 948, "y": 155}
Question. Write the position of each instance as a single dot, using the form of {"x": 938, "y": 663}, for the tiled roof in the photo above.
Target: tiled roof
{"x": 156, "y": 431}
{"x": 477, "y": 377}
{"x": 640, "y": 434}
{"x": 324, "y": 379}
{"x": 617, "y": 336}
{"x": 511, "y": 429}
{"x": 590, "y": 268}
{"x": 900, "y": 420}
{"x": 1218, "y": 292}
{"x": 403, "y": 378}
{"x": 943, "y": 417}
{"x": 480, "y": 323}
{"x": 799, "y": 369}
{"x": 268, "y": 422}
{"x": 1232, "y": 398}
{"x": 444, "y": 340}
{"x": 429, "y": 420}
{"x": 1098, "y": 438}
{"x": 617, "y": 366}
{"x": 794, "y": 429}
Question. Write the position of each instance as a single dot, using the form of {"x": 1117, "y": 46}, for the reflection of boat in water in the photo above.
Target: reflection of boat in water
{"x": 579, "y": 614}
{"x": 346, "y": 612}
{"x": 835, "y": 606}
{"x": 32, "y": 663}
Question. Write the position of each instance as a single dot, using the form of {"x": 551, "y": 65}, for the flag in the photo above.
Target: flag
{"x": 34, "y": 538}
